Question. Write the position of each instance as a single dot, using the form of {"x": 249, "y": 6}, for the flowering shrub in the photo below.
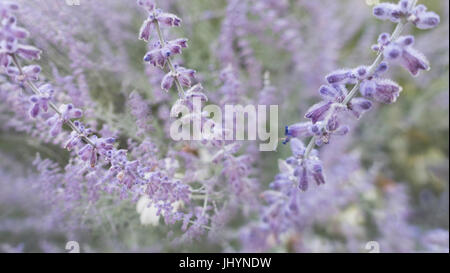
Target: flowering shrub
{"x": 90, "y": 111}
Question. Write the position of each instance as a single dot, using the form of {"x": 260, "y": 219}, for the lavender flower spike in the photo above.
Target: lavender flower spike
{"x": 326, "y": 115}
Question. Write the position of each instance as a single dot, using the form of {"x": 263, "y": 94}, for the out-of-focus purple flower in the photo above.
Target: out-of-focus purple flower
{"x": 6, "y": 7}
{"x": 436, "y": 240}
{"x": 29, "y": 72}
{"x": 10, "y": 34}
{"x": 141, "y": 112}
{"x": 40, "y": 102}
{"x": 29, "y": 53}
{"x": 155, "y": 15}
{"x": 196, "y": 91}
{"x": 148, "y": 5}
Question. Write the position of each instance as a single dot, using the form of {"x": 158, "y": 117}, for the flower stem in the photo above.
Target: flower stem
{"x": 51, "y": 104}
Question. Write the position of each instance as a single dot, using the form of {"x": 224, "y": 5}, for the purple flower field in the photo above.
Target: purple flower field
{"x": 224, "y": 126}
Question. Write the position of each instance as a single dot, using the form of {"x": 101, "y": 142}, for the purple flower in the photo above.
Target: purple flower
{"x": 28, "y": 52}
{"x": 182, "y": 42}
{"x": 102, "y": 146}
{"x": 402, "y": 52}
{"x": 329, "y": 128}
{"x": 300, "y": 130}
{"x": 68, "y": 112}
{"x": 146, "y": 28}
{"x": 387, "y": 11}
{"x": 341, "y": 76}
{"x": 333, "y": 93}
{"x": 88, "y": 153}
{"x": 6, "y": 7}
{"x": 159, "y": 55}
{"x": 358, "y": 106}
{"x": 425, "y": 19}
{"x": 305, "y": 169}
{"x": 10, "y": 34}
{"x": 168, "y": 19}
{"x": 196, "y": 91}
{"x": 30, "y": 72}
{"x": 361, "y": 72}
{"x": 76, "y": 137}
{"x": 156, "y": 57}
{"x": 418, "y": 15}
{"x": 384, "y": 38}
{"x": 382, "y": 90}
{"x": 318, "y": 111}
{"x": 155, "y": 15}
{"x": 174, "y": 47}
{"x": 333, "y": 96}
{"x": 185, "y": 75}
{"x": 40, "y": 102}
{"x": 167, "y": 81}
{"x": 393, "y": 12}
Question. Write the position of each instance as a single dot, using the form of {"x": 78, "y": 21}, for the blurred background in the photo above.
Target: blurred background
{"x": 388, "y": 180}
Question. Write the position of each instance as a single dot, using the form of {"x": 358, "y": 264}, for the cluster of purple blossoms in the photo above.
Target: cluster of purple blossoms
{"x": 235, "y": 168}
{"x": 190, "y": 172}
{"x": 404, "y": 9}
{"x": 162, "y": 51}
{"x": 10, "y": 36}
{"x": 326, "y": 116}
{"x": 160, "y": 55}
{"x": 128, "y": 177}
{"x": 162, "y": 192}
{"x": 305, "y": 170}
